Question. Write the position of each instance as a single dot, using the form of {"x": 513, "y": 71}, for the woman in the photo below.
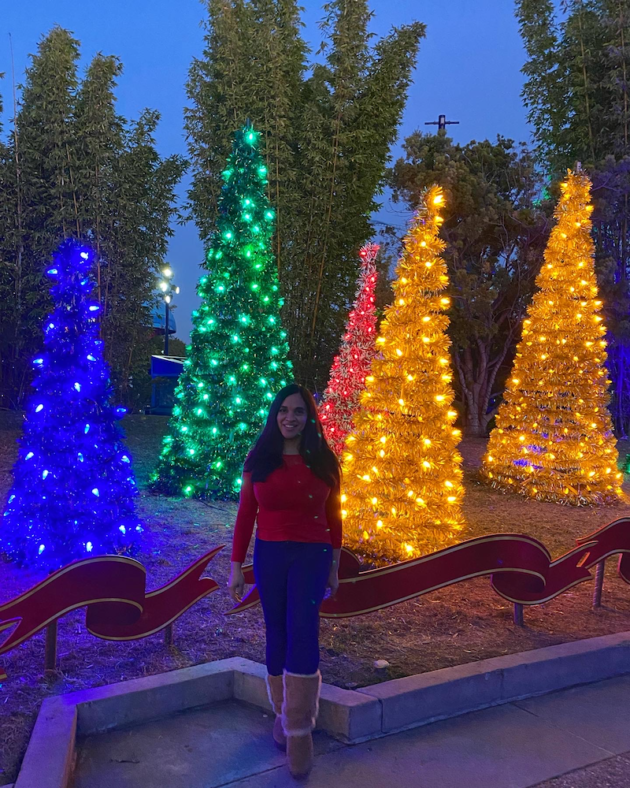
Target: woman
{"x": 291, "y": 484}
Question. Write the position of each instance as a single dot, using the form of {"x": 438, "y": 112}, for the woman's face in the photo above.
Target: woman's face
{"x": 292, "y": 416}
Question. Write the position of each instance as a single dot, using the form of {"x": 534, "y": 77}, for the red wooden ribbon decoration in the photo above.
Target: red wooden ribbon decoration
{"x": 112, "y": 588}
{"x": 520, "y": 567}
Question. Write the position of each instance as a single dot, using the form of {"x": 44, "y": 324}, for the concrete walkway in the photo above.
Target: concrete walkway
{"x": 578, "y": 738}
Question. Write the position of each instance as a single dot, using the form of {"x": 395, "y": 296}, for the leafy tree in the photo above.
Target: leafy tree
{"x": 75, "y": 168}
{"x": 327, "y": 138}
{"x": 576, "y": 92}
{"x": 176, "y": 346}
{"x": 146, "y": 194}
{"x": 40, "y": 183}
{"x": 100, "y": 135}
{"x": 494, "y": 241}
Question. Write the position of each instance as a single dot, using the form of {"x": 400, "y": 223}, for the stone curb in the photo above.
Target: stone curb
{"x": 348, "y": 715}
{"x": 424, "y": 698}
{"x": 49, "y": 759}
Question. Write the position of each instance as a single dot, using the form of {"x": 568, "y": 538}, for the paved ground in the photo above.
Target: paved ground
{"x": 577, "y": 738}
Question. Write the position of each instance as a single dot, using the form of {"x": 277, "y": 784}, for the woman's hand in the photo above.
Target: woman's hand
{"x": 236, "y": 583}
{"x": 333, "y": 582}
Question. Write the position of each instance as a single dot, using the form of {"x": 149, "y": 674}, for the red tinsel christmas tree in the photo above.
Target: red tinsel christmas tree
{"x": 352, "y": 365}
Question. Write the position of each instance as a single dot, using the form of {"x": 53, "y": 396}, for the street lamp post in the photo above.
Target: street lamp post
{"x": 168, "y": 289}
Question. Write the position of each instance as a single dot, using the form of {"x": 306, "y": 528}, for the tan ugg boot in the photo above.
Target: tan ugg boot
{"x": 275, "y": 690}
{"x": 299, "y": 713}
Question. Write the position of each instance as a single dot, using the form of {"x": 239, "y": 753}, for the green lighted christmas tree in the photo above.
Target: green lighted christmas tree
{"x": 238, "y": 355}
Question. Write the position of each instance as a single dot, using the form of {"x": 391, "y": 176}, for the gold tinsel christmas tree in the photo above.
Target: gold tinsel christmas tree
{"x": 402, "y": 478}
{"x": 553, "y": 440}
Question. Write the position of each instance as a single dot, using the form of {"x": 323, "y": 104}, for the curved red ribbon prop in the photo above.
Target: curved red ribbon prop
{"x": 520, "y": 567}
{"x": 113, "y": 590}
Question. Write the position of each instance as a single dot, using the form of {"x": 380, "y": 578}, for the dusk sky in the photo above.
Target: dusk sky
{"x": 468, "y": 67}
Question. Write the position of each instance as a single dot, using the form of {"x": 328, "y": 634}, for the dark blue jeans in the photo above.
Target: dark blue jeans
{"x": 291, "y": 580}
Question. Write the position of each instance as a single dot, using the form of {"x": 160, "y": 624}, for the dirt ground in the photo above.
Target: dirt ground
{"x": 464, "y": 623}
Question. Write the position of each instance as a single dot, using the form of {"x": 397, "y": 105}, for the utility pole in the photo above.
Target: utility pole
{"x": 442, "y": 123}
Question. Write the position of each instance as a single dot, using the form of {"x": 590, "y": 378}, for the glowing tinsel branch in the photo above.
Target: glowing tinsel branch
{"x": 73, "y": 491}
{"x": 351, "y": 367}
{"x": 402, "y": 480}
{"x": 554, "y": 440}
{"x": 238, "y": 357}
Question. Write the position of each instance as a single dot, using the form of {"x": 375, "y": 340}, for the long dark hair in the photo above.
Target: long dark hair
{"x": 266, "y": 454}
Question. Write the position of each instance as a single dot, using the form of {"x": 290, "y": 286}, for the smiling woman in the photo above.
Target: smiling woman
{"x": 291, "y": 486}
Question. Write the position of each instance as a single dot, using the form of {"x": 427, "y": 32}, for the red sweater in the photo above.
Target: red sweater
{"x": 292, "y": 505}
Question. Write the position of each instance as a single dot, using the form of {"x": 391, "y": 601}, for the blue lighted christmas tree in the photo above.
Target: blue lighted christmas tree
{"x": 73, "y": 491}
{"x": 238, "y": 356}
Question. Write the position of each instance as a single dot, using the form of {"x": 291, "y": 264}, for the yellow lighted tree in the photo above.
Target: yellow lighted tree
{"x": 402, "y": 477}
{"x": 553, "y": 440}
